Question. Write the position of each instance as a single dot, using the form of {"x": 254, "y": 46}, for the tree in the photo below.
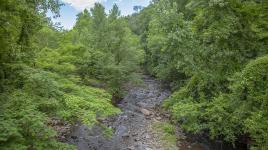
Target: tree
{"x": 198, "y": 47}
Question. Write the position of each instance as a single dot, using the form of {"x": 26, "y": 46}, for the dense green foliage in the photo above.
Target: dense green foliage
{"x": 112, "y": 51}
{"x": 49, "y": 73}
{"x": 214, "y": 54}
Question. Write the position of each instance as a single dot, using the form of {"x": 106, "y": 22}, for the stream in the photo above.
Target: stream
{"x": 133, "y": 127}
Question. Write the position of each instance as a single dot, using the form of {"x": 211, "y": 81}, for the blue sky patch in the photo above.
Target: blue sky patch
{"x": 73, "y": 7}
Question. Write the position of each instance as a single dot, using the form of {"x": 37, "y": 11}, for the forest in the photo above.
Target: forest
{"x": 213, "y": 54}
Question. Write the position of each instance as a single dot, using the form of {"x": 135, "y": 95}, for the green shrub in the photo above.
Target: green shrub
{"x": 250, "y": 96}
{"x": 23, "y": 126}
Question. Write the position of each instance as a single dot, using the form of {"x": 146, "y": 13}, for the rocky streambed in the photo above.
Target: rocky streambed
{"x": 133, "y": 128}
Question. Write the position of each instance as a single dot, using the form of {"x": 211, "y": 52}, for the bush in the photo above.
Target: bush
{"x": 250, "y": 99}
{"x": 23, "y": 126}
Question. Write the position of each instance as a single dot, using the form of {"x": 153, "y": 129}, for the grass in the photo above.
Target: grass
{"x": 167, "y": 133}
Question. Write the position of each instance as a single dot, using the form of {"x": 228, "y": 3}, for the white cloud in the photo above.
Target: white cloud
{"x": 82, "y": 4}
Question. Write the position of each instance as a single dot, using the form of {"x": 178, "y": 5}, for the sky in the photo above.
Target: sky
{"x": 71, "y": 8}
